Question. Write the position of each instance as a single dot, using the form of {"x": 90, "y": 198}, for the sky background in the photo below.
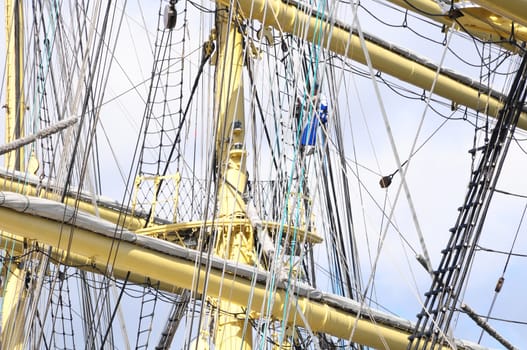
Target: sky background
{"x": 437, "y": 176}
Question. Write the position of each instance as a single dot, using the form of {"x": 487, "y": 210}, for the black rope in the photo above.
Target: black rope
{"x": 117, "y": 303}
{"x": 85, "y": 104}
{"x": 260, "y": 110}
{"x": 205, "y": 58}
{"x": 449, "y": 278}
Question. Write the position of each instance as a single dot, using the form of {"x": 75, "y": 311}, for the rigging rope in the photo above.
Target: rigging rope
{"x": 115, "y": 311}
{"x": 501, "y": 279}
{"x": 207, "y": 52}
{"x": 396, "y": 156}
{"x": 451, "y": 274}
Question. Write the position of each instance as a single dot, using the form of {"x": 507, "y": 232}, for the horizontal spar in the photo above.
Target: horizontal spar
{"x": 388, "y": 58}
{"x": 175, "y": 267}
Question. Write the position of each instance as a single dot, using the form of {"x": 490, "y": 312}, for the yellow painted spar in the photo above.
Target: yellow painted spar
{"x": 174, "y": 272}
{"x": 166, "y": 230}
{"x": 126, "y": 220}
{"x": 339, "y": 39}
{"x": 15, "y": 106}
{"x": 512, "y": 9}
{"x": 85, "y": 263}
{"x": 491, "y": 22}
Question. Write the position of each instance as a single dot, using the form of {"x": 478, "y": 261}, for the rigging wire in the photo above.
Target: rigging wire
{"x": 419, "y": 96}
{"x": 508, "y": 253}
{"x": 461, "y": 248}
{"x": 382, "y": 209}
{"x": 102, "y": 301}
{"x": 357, "y": 175}
{"x": 48, "y": 304}
{"x": 117, "y": 304}
{"x": 102, "y": 81}
{"x": 396, "y": 157}
{"x": 349, "y": 226}
{"x": 421, "y": 239}
{"x": 91, "y": 78}
{"x": 355, "y": 162}
{"x": 501, "y": 279}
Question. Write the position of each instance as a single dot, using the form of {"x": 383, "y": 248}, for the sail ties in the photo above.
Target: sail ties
{"x": 483, "y": 324}
{"x": 18, "y": 143}
{"x": 262, "y": 233}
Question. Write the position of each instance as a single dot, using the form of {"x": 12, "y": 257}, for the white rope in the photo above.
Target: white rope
{"x": 39, "y": 135}
{"x": 397, "y": 158}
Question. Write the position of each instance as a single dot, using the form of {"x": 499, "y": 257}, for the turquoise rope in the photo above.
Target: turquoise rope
{"x": 316, "y": 43}
{"x": 44, "y": 68}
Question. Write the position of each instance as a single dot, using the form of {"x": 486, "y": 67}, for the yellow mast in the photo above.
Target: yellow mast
{"x": 233, "y": 242}
{"x": 14, "y": 127}
{"x": 14, "y": 293}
